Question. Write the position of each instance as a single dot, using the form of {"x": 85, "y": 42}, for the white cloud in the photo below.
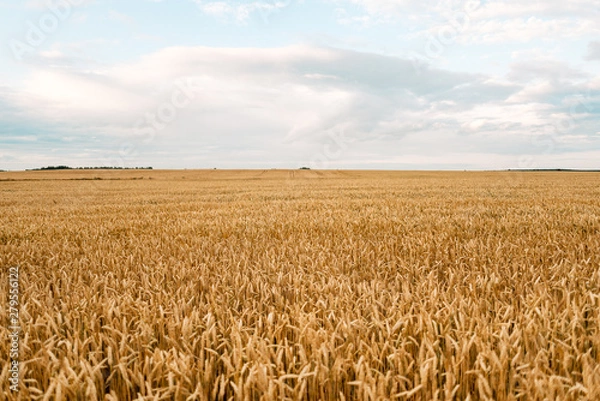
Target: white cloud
{"x": 123, "y": 18}
{"x": 522, "y": 30}
{"x": 475, "y": 21}
{"x": 45, "y": 4}
{"x": 286, "y": 104}
{"x": 544, "y": 68}
{"x": 593, "y": 51}
{"x": 540, "y": 8}
{"x": 240, "y": 11}
{"x": 482, "y": 9}
{"x": 388, "y": 6}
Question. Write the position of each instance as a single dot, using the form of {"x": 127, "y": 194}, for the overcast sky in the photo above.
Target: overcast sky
{"x": 374, "y": 84}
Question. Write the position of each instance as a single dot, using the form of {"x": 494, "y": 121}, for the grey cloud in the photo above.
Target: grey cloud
{"x": 286, "y": 104}
{"x": 477, "y": 92}
{"x": 543, "y": 69}
{"x": 593, "y": 51}
{"x": 350, "y": 67}
{"x": 380, "y": 89}
{"x": 386, "y": 73}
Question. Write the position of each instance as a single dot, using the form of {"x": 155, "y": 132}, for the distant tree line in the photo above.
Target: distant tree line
{"x": 88, "y": 168}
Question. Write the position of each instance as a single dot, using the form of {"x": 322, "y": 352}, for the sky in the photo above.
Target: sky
{"x": 336, "y": 84}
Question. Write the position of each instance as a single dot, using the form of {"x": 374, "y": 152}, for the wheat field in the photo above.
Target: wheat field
{"x": 303, "y": 285}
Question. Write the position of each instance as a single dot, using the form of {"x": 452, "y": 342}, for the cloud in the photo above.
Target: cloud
{"x": 587, "y": 9}
{"x": 50, "y": 4}
{"x": 380, "y": 7}
{"x": 482, "y": 9}
{"x": 593, "y": 51}
{"x": 525, "y": 30}
{"x": 544, "y": 69}
{"x": 120, "y": 17}
{"x": 240, "y": 11}
{"x": 478, "y": 22}
{"x": 258, "y": 79}
{"x": 286, "y": 105}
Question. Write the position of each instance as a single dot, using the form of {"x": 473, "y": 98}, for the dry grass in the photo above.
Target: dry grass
{"x": 264, "y": 285}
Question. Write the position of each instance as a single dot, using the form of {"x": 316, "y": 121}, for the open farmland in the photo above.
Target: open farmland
{"x": 303, "y": 285}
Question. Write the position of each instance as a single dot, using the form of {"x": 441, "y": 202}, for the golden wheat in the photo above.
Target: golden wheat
{"x": 304, "y": 285}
